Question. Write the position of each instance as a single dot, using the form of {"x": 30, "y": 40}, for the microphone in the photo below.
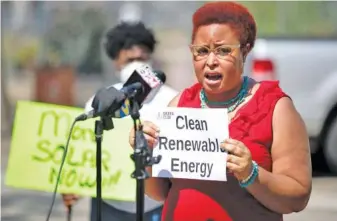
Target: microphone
{"x": 125, "y": 108}
{"x": 150, "y": 81}
{"x": 161, "y": 75}
{"x": 129, "y": 90}
{"x": 142, "y": 85}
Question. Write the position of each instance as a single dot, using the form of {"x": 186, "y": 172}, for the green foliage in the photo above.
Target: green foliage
{"x": 22, "y": 52}
{"x": 294, "y": 18}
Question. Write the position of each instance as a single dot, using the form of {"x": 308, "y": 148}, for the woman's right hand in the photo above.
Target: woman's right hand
{"x": 151, "y": 132}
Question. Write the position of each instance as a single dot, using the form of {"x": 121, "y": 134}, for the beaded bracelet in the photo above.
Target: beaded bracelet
{"x": 252, "y": 176}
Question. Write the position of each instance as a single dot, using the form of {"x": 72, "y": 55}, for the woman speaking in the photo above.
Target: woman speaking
{"x": 269, "y": 167}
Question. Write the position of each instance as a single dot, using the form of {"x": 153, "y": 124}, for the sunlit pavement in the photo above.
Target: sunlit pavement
{"x": 22, "y": 205}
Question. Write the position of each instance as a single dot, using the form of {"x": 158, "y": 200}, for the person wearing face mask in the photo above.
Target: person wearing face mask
{"x": 129, "y": 46}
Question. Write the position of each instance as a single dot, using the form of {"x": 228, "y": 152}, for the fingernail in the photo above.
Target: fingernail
{"x": 156, "y": 134}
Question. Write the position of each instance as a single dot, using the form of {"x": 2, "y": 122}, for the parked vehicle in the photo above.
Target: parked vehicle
{"x": 307, "y": 71}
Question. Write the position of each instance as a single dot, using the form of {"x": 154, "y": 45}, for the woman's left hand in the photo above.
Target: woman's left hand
{"x": 239, "y": 159}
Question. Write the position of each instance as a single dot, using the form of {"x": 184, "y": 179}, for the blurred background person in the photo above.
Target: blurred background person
{"x": 129, "y": 45}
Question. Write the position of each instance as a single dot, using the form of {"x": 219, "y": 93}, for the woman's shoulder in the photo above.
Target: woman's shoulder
{"x": 189, "y": 97}
{"x": 265, "y": 95}
{"x": 270, "y": 89}
{"x": 186, "y": 96}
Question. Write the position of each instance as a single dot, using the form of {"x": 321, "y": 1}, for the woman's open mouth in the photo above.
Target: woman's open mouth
{"x": 213, "y": 78}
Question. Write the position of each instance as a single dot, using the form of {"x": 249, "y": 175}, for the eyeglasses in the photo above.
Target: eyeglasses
{"x": 201, "y": 51}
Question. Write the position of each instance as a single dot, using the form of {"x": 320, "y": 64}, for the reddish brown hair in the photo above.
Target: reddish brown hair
{"x": 230, "y": 13}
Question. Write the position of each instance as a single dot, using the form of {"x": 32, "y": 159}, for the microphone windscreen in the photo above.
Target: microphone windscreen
{"x": 161, "y": 75}
{"x": 107, "y": 100}
{"x": 148, "y": 79}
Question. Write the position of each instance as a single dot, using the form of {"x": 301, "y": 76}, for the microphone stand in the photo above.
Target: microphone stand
{"x": 142, "y": 157}
{"x": 105, "y": 123}
{"x": 69, "y": 213}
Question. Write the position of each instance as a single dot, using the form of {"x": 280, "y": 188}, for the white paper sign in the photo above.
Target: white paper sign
{"x": 189, "y": 142}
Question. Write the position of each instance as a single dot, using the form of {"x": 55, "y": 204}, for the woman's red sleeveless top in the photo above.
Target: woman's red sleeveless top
{"x": 195, "y": 200}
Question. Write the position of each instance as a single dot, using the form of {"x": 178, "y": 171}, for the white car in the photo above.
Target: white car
{"x": 307, "y": 71}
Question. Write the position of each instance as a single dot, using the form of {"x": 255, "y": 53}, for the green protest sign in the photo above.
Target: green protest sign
{"x": 38, "y": 141}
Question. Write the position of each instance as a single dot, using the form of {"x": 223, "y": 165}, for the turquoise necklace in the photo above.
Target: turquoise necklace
{"x": 233, "y": 103}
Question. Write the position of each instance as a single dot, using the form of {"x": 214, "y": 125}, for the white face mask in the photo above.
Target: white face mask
{"x": 128, "y": 69}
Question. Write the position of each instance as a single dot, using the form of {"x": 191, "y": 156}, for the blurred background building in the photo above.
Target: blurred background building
{"x": 69, "y": 34}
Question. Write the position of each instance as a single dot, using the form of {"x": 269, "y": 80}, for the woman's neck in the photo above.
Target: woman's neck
{"x": 225, "y": 96}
